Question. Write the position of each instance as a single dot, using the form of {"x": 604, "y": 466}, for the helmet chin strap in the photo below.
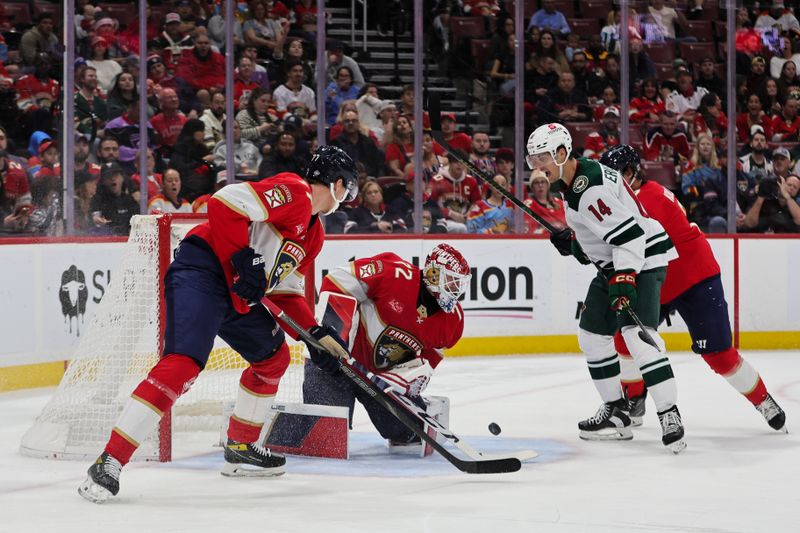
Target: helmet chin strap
{"x": 336, "y": 202}
{"x": 556, "y": 187}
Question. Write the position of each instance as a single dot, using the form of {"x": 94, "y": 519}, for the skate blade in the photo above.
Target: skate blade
{"x": 784, "y": 429}
{"x": 677, "y": 446}
{"x": 607, "y": 434}
{"x": 245, "y": 470}
{"x": 93, "y": 492}
{"x": 636, "y": 421}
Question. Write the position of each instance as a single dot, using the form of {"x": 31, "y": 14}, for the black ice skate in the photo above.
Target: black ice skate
{"x": 773, "y": 414}
{"x": 103, "y": 480}
{"x": 636, "y": 409}
{"x": 672, "y": 429}
{"x": 609, "y": 423}
{"x": 251, "y": 460}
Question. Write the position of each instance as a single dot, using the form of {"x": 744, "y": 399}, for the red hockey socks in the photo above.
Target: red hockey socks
{"x": 171, "y": 377}
{"x": 630, "y": 376}
{"x": 742, "y": 377}
{"x": 257, "y": 387}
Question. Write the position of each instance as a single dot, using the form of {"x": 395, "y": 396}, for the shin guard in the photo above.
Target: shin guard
{"x": 738, "y": 372}
{"x": 630, "y": 377}
{"x": 172, "y": 376}
{"x": 257, "y": 388}
{"x": 603, "y": 364}
{"x": 654, "y": 366}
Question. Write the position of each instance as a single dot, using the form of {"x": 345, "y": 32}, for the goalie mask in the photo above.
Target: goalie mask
{"x": 446, "y": 276}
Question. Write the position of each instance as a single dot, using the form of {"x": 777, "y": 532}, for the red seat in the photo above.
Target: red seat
{"x": 720, "y": 29}
{"x": 579, "y": 132}
{"x": 124, "y": 13}
{"x": 695, "y": 52}
{"x": 565, "y": 6}
{"x": 596, "y": 9}
{"x": 664, "y": 71}
{"x": 662, "y": 172}
{"x": 466, "y": 27}
{"x": 528, "y": 8}
{"x": 635, "y": 135}
{"x": 56, "y": 10}
{"x": 661, "y": 53}
{"x": 18, "y": 14}
{"x": 711, "y": 10}
{"x": 584, "y": 27}
{"x": 700, "y": 29}
{"x": 479, "y": 48}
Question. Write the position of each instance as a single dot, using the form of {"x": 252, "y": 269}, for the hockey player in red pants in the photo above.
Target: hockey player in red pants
{"x": 693, "y": 289}
{"x": 260, "y": 237}
{"x": 397, "y": 320}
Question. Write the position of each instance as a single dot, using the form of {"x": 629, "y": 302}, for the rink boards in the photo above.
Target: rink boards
{"x": 523, "y": 296}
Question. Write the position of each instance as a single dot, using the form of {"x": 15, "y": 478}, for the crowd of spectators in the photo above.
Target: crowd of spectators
{"x": 572, "y": 75}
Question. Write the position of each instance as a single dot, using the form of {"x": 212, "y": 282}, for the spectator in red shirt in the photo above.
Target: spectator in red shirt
{"x": 647, "y": 107}
{"x": 754, "y": 116}
{"x": 598, "y": 142}
{"x": 244, "y": 83}
{"x": 169, "y": 122}
{"x": 785, "y": 125}
{"x": 666, "y": 142}
{"x": 201, "y": 67}
{"x": 543, "y": 203}
{"x": 82, "y": 163}
{"x": 455, "y": 191}
{"x": 15, "y": 196}
{"x": 504, "y": 160}
{"x": 456, "y": 140}
{"x": 710, "y": 119}
{"x": 400, "y": 151}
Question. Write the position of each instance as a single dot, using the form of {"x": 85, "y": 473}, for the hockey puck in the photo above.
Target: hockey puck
{"x": 494, "y": 428}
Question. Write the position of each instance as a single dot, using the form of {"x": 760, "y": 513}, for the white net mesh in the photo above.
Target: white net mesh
{"x": 118, "y": 350}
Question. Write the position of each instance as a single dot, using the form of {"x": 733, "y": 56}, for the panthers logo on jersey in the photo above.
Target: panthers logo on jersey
{"x": 288, "y": 259}
{"x": 393, "y": 347}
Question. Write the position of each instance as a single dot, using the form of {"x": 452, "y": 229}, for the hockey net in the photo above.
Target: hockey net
{"x": 123, "y": 343}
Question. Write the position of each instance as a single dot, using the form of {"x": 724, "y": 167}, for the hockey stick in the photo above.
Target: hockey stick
{"x": 440, "y": 428}
{"x": 438, "y": 136}
{"x": 409, "y": 414}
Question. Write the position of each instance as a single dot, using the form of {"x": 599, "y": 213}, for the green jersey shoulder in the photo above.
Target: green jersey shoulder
{"x": 589, "y": 173}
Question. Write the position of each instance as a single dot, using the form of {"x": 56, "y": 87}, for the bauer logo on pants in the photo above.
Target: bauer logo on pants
{"x": 288, "y": 259}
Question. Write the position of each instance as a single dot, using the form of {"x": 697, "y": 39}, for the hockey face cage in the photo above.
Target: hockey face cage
{"x": 443, "y": 280}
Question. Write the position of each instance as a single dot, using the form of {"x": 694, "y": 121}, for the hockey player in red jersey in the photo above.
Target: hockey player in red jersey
{"x": 692, "y": 288}
{"x": 397, "y": 319}
{"x": 260, "y": 237}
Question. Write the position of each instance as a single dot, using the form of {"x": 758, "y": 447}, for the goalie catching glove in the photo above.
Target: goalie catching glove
{"x": 335, "y": 349}
{"x": 622, "y": 290}
{"x": 250, "y": 281}
{"x": 409, "y": 378}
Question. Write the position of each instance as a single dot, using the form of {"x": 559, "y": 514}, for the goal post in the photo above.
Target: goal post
{"x": 121, "y": 345}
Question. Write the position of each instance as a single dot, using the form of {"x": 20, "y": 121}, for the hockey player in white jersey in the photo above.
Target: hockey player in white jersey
{"x": 610, "y": 229}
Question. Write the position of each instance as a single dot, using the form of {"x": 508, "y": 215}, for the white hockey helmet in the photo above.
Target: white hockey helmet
{"x": 547, "y": 139}
{"x": 446, "y": 275}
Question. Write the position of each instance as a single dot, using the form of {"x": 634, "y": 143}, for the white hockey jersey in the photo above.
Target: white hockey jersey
{"x": 610, "y": 224}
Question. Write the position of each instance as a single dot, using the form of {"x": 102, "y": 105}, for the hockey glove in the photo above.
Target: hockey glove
{"x": 335, "y": 349}
{"x": 577, "y": 251}
{"x": 622, "y": 290}
{"x": 250, "y": 281}
{"x": 562, "y": 240}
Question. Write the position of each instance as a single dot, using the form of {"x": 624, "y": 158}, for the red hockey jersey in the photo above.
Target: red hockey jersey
{"x": 457, "y": 195}
{"x": 553, "y": 214}
{"x": 273, "y": 216}
{"x": 394, "y": 325}
{"x": 695, "y": 260}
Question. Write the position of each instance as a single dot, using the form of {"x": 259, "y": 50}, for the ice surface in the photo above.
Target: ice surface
{"x": 737, "y": 475}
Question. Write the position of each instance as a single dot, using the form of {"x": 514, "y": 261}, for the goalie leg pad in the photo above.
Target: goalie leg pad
{"x": 172, "y": 376}
{"x": 340, "y": 312}
{"x": 257, "y": 388}
{"x": 654, "y": 366}
{"x": 603, "y": 363}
